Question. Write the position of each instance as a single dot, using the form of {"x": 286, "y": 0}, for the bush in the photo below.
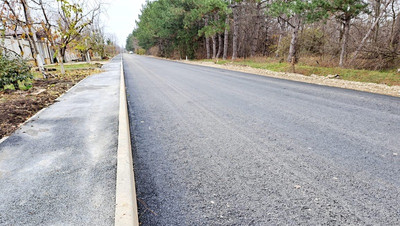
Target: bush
{"x": 140, "y": 51}
{"x": 14, "y": 71}
{"x": 154, "y": 51}
{"x": 311, "y": 41}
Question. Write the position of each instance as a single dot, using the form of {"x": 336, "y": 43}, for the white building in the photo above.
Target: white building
{"x": 15, "y": 42}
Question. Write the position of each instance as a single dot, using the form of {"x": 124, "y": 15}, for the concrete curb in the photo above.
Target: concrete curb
{"x": 126, "y": 205}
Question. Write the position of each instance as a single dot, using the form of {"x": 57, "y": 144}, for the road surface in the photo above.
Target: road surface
{"x": 217, "y": 147}
{"x": 60, "y": 167}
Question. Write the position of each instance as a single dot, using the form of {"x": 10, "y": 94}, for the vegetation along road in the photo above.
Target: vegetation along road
{"x": 218, "y": 147}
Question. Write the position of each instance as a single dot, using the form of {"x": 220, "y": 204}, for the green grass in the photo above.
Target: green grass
{"x": 71, "y": 66}
{"x": 388, "y": 77}
{"x": 67, "y": 67}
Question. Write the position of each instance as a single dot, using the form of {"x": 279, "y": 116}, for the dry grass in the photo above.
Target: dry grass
{"x": 318, "y": 66}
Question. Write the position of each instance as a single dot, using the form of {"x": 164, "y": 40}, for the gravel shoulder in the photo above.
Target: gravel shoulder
{"x": 313, "y": 79}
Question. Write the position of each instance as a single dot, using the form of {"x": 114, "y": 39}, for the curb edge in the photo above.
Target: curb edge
{"x": 126, "y": 205}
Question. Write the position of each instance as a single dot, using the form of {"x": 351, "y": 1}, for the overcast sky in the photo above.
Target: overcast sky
{"x": 120, "y": 17}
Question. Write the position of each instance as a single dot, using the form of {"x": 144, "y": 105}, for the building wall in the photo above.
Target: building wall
{"x": 45, "y": 51}
{"x": 12, "y": 44}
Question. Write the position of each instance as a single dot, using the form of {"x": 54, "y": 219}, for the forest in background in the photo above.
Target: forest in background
{"x": 347, "y": 33}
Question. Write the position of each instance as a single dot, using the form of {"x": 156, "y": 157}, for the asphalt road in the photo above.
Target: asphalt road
{"x": 216, "y": 147}
{"x": 60, "y": 167}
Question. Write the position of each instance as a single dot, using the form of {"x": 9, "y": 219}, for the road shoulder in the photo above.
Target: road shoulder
{"x": 313, "y": 79}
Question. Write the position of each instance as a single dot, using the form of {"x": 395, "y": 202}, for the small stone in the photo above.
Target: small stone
{"x": 333, "y": 76}
{"x": 212, "y": 202}
{"x": 297, "y": 186}
{"x": 395, "y": 154}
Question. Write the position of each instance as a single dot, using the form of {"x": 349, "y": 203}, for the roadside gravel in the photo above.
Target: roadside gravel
{"x": 314, "y": 79}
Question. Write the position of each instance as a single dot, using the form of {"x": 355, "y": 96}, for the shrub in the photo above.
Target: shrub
{"x": 140, "y": 51}
{"x": 154, "y": 51}
{"x": 14, "y": 71}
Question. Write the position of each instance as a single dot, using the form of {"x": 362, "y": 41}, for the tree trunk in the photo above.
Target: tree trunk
{"x": 32, "y": 47}
{"x": 87, "y": 56}
{"x": 226, "y": 35}
{"x": 292, "y": 57}
{"x": 256, "y": 31}
{"x": 345, "y": 39}
{"x": 207, "y": 41}
{"x": 265, "y": 39}
{"x": 282, "y": 29}
{"x": 393, "y": 19}
{"x": 341, "y": 32}
{"x": 377, "y": 9}
{"x": 219, "y": 46}
{"x": 235, "y": 32}
{"x": 61, "y": 62}
{"x": 395, "y": 39}
{"x": 208, "y": 48}
{"x": 32, "y": 33}
{"x": 63, "y": 51}
{"x": 214, "y": 43}
{"x": 62, "y": 59}
{"x": 21, "y": 49}
{"x": 281, "y": 32}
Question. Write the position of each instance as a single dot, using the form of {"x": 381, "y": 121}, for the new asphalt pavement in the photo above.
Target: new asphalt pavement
{"x": 217, "y": 147}
{"x": 60, "y": 167}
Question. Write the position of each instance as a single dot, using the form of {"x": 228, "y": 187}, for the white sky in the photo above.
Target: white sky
{"x": 119, "y": 17}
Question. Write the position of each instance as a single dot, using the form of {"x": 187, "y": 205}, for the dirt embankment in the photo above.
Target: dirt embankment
{"x": 315, "y": 79}
{"x": 17, "y": 106}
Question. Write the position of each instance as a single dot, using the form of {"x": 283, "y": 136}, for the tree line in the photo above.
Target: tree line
{"x": 345, "y": 33}
{"x": 62, "y": 24}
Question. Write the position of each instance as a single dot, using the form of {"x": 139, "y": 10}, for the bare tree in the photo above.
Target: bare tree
{"x": 292, "y": 57}
{"x": 370, "y": 30}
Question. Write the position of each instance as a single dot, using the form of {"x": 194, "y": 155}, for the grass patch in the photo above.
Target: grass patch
{"x": 388, "y": 77}
{"x": 72, "y": 66}
{"x": 70, "y": 69}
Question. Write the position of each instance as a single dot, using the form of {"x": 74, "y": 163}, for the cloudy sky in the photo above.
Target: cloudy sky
{"x": 120, "y": 17}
